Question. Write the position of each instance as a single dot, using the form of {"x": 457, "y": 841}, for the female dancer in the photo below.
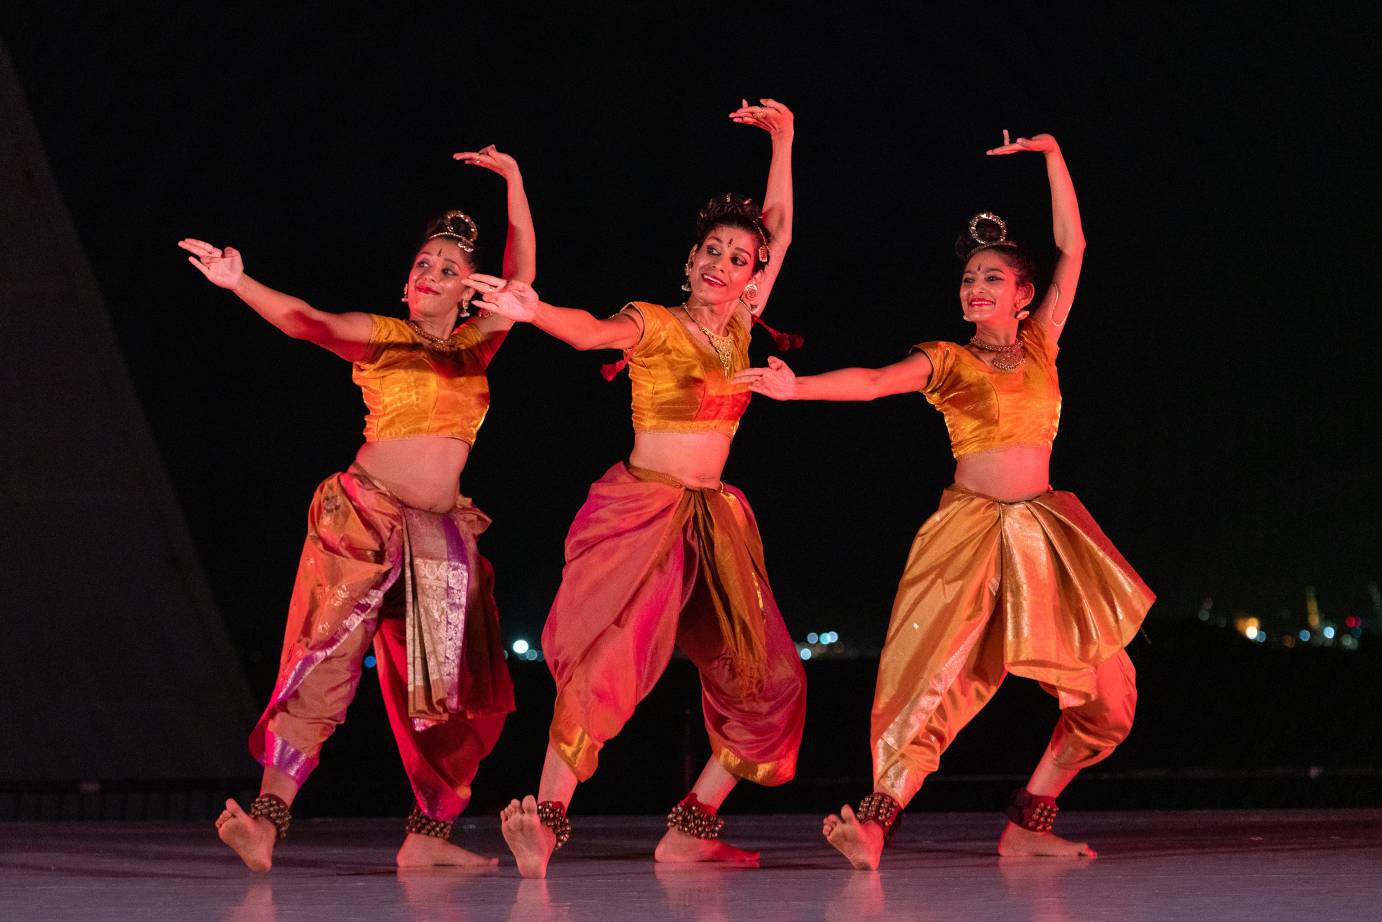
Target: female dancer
{"x": 663, "y": 553}
{"x": 1008, "y": 576}
{"x": 395, "y": 512}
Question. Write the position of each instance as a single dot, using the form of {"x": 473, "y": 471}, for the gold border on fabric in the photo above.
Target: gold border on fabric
{"x": 580, "y": 754}
{"x": 764, "y": 773}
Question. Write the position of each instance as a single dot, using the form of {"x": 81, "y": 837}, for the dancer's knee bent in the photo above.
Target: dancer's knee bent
{"x": 755, "y": 728}
{"x": 290, "y": 734}
{"x": 1089, "y": 733}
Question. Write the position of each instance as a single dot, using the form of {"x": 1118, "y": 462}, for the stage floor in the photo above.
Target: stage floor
{"x": 1225, "y": 865}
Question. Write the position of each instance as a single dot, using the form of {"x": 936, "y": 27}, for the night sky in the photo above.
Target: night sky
{"x": 1220, "y": 370}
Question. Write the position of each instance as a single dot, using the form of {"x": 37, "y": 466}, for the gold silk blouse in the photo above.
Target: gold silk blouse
{"x": 986, "y": 409}
{"x": 411, "y": 388}
{"x": 678, "y": 383}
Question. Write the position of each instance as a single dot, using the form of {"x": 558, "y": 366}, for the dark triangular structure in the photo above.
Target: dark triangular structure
{"x": 116, "y": 665}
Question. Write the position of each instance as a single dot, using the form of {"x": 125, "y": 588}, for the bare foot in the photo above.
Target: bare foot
{"x": 531, "y": 842}
{"x": 252, "y": 837}
{"x": 677, "y": 847}
{"x": 1016, "y": 842}
{"x": 861, "y": 843}
{"x": 421, "y": 851}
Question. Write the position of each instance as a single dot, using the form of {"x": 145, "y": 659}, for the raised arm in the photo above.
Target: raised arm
{"x": 517, "y": 301}
{"x": 776, "y": 119}
{"x": 778, "y": 381}
{"x": 347, "y": 335}
{"x": 1054, "y": 309}
{"x": 520, "y": 242}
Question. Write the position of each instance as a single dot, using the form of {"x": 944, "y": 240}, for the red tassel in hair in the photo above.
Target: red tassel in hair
{"x": 610, "y": 370}
{"x": 786, "y": 342}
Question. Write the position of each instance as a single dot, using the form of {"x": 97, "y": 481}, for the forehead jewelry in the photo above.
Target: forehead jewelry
{"x": 763, "y": 252}
{"x": 458, "y": 226}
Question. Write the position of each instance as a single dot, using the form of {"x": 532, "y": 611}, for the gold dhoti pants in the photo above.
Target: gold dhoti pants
{"x": 1033, "y": 588}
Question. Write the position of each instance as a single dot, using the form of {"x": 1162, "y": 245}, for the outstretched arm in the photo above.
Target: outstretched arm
{"x": 776, "y": 119}
{"x": 347, "y": 335}
{"x": 1054, "y": 309}
{"x": 517, "y": 301}
{"x": 778, "y": 381}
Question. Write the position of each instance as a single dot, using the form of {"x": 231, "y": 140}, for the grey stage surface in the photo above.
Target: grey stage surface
{"x": 1228, "y": 865}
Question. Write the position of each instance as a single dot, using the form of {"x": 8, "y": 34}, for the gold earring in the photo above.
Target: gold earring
{"x": 751, "y": 291}
{"x": 404, "y": 299}
{"x": 464, "y": 306}
{"x": 686, "y": 285}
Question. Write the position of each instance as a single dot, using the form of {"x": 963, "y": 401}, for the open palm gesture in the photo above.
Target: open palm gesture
{"x": 770, "y": 115}
{"x": 222, "y": 267}
{"x": 776, "y": 381}
{"x": 510, "y": 299}
{"x": 491, "y": 158}
{"x": 1039, "y": 143}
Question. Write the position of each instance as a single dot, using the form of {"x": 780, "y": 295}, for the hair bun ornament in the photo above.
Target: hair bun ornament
{"x": 986, "y": 229}
{"x": 458, "y": 226}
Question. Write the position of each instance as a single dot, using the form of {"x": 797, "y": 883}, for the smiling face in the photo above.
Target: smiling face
{"x": 435, "y": 285}
{"x": 990, "y": 291}
{"x": 722, "y": 264}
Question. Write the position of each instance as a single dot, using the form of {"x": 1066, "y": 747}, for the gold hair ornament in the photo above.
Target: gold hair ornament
{"x": 729, "y": 199}
{"x": 988, "y": 216}
{"x": 465, "y": 239}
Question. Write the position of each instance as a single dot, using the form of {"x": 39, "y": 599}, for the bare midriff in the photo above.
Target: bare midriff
{"x": 1008, "y": 474}
{"x": 424, "y": 472}
{"x": 697, "y": 459}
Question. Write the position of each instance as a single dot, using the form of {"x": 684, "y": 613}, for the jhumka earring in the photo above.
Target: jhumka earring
{"x": 686, "y": 285}
{"x": 751, "y": 292}
{"x": 464, "y": 306}
{"x": 404, "y": 299}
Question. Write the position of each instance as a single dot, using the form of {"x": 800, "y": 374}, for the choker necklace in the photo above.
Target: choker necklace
{"x": 1007, "y": 357}
{"x": 447, "y": 344}
{"x": 723, "y": 345}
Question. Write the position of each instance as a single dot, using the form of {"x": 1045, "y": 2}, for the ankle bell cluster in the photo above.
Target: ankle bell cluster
{"x": 879, "y": 808}
{"x": 1032, "y": 812}
{"x": 424, "y": 825}
{"x": 691, "y": 818}
{"x": 552, "y": 814}
{"x": 274, "y": 809}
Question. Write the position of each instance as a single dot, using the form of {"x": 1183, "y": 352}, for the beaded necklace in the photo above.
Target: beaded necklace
{"x": 447, "y": 344}
{"x": 1008, "y": 357}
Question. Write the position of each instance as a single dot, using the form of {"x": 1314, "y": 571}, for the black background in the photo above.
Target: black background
{"x": 1220, "y": 369}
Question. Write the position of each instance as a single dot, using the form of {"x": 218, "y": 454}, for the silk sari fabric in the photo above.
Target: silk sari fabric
{"x": 652, "y": 565}
{"x": 1032, "y": 588}
{"x": 442, "y": 672}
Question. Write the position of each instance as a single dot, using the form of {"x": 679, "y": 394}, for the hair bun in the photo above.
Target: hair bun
{"x": 985, "y": 229}
{"x": 454, "y": 225}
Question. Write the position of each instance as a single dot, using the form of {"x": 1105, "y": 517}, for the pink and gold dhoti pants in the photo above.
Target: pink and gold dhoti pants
{"x": 651, "y": 565}
{"x": 348, "y": 594}
{"x": 1033, "y": 588}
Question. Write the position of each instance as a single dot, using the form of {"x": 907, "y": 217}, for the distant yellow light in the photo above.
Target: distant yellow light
{"x": 1251, "y": 632}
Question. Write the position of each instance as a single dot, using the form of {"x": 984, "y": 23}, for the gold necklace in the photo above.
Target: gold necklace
{"x": 1008, "y": 357}
{"x": 723, "y": 345}
{"x": 447, "y": 344}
